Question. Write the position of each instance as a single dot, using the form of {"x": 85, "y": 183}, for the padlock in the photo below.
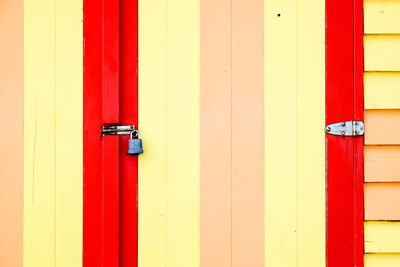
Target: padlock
{"x": 135, "y": 145}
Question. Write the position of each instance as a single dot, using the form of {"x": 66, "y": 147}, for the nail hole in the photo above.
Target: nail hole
{"x": 279, "y": 14}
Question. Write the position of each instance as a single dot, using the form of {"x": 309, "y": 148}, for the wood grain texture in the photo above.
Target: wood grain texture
{"x": 382, "y": 237}
{"x": 294, "y": 169}
{"x": 382, "y": 90}
{"x": 381, "y": 17}
{"x": 382, "y": 260}
{"x": 52, "y": 133}
{"x": 169, "y": 87}
{"x": 382, "y": 163}
{"x": 382, "y": 127}
{"x": 11, "y": 141}
{"x": 382, "y": 53}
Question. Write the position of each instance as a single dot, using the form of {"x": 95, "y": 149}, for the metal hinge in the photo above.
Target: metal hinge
{"x": 346, "y": 128}
{"x": 118, "y": 129}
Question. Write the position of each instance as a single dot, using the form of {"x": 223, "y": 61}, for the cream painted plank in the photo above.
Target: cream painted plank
{"x": 69, "y": 132}
{"x": 381, "y": 163}
{"x": 39, "y": 134}
{"x": 382, "y": 90}
{"x": 382, "y": 201}
{"x": 183, "y": 133}
{"x": 152, "y": 124}
{"x": 281, "y": 237}
{"x": 382, "y": 53}
{"x": 381, "y": 16}
{"x": 310, "y": 138}
{"x": 382, "y": 237}
{"x": 382, "y": 127}
{"x": 382, "y": 260}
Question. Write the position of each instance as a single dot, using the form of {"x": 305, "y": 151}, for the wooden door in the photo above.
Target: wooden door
{"x": 110, "y": 97}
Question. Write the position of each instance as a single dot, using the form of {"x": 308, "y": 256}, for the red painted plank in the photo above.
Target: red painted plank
{"x": 101, "y": 155}
{"x": 344, "y": 101}
{"x": 359, "y": 141}
{"x": 128, "y": 115}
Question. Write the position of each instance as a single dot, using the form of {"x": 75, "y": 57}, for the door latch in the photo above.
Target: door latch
{"x": 135, "y": 142}
{"x": 346, "y": 128}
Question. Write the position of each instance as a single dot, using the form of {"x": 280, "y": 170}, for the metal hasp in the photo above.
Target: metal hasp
{"x": 118, "y": 129}
{"x": 346, "y": 128}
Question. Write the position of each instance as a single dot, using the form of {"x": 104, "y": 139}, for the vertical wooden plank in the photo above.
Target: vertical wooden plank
{"x": 11, "y": 116}
{"x": 92, "y": 123}
{"x": 110, "y": 144}
{"x": 152, "y": 240}
{"x": 310, "y": 136}
{"x": 183, "y": 130}
{"x": 215, "y": 134}
{"x": 128, "y": 106}
{"x": 39, "y": 133}
{"x": 69, "y": 132}
{"x": 281, "y": 229}
{"x": 247, "y": 133}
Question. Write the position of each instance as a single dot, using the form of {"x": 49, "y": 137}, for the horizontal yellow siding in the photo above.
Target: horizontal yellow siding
{"x": 382, "y": 237}
{"x": 382, "y": 260}
{"x": 382, "y": 52}
{"x": 382, "y": 90}
{"x": 381, "y": 16}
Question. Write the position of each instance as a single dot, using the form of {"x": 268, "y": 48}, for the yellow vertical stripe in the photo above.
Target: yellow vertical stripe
{"x": 169, "y": 69}
{"x": 152, "y": 124}
{"x": 52, "y": 133}
{"x": 294, "y": 136}
{"x": 183, "y": 131}
{"x": 39, "y": 133}
{"x": 69, "y": 132}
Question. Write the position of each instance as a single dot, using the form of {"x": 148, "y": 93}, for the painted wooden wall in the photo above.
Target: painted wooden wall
{"x": 11, "y": 101}
{"x": 382, "y": 136}
{"x": 294, "y": 142}
{"x": 52, "y": 228}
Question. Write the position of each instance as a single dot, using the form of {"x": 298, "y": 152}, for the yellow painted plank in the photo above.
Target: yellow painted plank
{"x": 39, "y": 134}
{"x": 169, "y": 201}
{"x": 382, "y": 90}
{"x": 382, "y": 237}
{"x": 183, "y": 133}
{"x": 310, "y": 139}
{"x": 382, "y": 52}
{"x": 69, "y": 132}
{"x": 381, "y": 16}
{"x": 152, "y": 124}
{"x": 382, "y": 260}
{"x": 280, "y": 146}
{"x": 294, "y": 160}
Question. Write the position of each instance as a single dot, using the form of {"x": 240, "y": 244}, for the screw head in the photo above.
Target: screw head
{"x": 343, "y": 124}
{"x": 362, "y": 127}
{"x": 328, "y": 129}
{"x": 356, "y": 133}
{"x": 342, "y": 133}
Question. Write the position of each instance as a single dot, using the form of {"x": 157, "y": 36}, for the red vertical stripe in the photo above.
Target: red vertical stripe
{"x": 343, "y": 103}
{"x": 128, "y": 115}
{"x": 101, "y": 154}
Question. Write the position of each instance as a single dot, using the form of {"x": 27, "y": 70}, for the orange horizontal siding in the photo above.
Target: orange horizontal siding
{"x": 382, "y": 127}
{"x": 382, "y": 201}
{"x": 382, "y": 163}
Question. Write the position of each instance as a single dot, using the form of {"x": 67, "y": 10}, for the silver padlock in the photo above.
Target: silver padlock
{"x": 135, "y": 145}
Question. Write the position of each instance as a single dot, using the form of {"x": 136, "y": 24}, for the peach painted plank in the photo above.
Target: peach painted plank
{"x": 11, "y": 147}
{"x": 382, "y": 127}
{"x": 215, "y": 134}
{"x": 382, "y": 201}
{"x": 248, "y": 133}
{"x": 381, "y": 163}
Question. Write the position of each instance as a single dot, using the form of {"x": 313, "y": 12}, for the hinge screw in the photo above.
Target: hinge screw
{"x": 342, "y": 133}
{"x": 343, "y": 124}
{"x": 328, "y": 129}
{"x": 356, "y": 132}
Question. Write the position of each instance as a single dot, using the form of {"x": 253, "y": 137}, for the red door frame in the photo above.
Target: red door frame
{"x": 344, "y": 155}
{"x": 110, "y": 97}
